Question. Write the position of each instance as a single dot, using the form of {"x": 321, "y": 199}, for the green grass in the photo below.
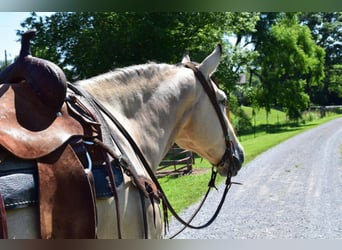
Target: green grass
{"x": 186, "y": 190}
{"x": 261, "y": 117}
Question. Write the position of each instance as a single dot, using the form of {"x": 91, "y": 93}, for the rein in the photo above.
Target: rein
{"x": 227, "y": 155}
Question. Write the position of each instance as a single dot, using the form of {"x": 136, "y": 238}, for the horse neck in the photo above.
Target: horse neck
{"x": 152, "y": 109}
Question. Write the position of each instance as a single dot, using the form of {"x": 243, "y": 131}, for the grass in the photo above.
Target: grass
{"x": 261, "y": 117}
{"x": 186, "y": 190}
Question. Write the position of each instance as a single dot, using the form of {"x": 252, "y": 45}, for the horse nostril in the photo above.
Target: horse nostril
{"x": 241, "y": 157}
{"x": 237, "y": 162}
{"x": 239, "y": 154}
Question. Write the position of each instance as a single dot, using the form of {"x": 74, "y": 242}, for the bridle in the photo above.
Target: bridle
{"x": 229, "y": 155}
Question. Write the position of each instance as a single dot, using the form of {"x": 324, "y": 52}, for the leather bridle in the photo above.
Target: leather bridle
{"x": 229, "y": 155}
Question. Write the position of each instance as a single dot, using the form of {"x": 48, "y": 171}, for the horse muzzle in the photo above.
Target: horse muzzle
{"x": 231, "y": 162}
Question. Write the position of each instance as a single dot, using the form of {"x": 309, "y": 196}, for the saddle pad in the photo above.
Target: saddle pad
{"x": 19, "y": 183}
{"x": 102, "y": 186}
{"x": 27, "y": 128}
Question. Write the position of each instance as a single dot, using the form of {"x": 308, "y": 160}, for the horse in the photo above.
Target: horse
{"x": 158, "y": 104}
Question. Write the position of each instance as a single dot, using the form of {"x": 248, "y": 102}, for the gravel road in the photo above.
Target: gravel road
{"x": 292, "y": 191}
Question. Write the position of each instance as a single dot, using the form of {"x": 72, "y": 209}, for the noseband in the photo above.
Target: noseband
{"x": 230, "y": 153}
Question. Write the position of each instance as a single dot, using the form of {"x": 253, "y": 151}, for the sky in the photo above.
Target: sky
{"x": 9, "y": 24}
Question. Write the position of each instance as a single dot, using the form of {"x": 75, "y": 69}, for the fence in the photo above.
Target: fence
{"x": 177, "y": 162}
{"x": 323, "y": 109}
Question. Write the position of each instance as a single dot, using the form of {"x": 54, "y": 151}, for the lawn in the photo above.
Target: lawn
{"x": 186, "y": 190}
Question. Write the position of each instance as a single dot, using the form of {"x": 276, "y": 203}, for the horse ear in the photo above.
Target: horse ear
{"x": 209, "y": 64}
{"x": 186, "y": 58}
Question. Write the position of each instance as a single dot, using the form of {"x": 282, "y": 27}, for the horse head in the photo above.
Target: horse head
{"x": 209, "y": 132}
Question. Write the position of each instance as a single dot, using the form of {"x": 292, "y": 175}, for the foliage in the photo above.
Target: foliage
{"x": 334, "y": 77}
{"x": 90, "y": 43}
{"x": 326, "y": 29}
{"x": 289, "y": 62}
{"x": 2, "y": 64}
{"x": 238, "y": 54}
{"x": 327, "y": 33}
{"x": 241, "y": 121}
{"x": 285, "y": 56}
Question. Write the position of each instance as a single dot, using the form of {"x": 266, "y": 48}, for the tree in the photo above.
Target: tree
{"x": 289, "y": 63}
{"x": 239, "y": 54}
{"x": 91, "y": 43}
{"x": 326, "y": 29}
{"x": 278, "y": 50}
{"x": 88, "y": 43}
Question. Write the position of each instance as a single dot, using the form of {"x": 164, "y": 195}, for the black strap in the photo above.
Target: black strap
{"x": 115, "y": 196}
{"x": 211, "y": 94}
{"x": 151, "y": 174}
{"x": 208, "y": 88}
{"x": 104, "y": 141}
{"x": 143, "y": 207}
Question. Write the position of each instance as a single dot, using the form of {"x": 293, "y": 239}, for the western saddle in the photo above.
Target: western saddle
{"x": 65, "y": 135}
{"x": 36, "y": 123}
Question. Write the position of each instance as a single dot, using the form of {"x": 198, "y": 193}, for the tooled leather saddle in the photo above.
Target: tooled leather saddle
{"x": 37, "y": 124}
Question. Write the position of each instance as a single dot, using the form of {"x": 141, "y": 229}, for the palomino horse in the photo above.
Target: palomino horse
{"x": 158, "y": 105}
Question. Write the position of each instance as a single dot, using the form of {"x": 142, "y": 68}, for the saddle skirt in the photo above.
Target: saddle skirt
{"x": 28, "y": 129}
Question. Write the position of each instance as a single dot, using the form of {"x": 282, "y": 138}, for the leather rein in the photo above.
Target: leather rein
{"x": 228, "y": 156}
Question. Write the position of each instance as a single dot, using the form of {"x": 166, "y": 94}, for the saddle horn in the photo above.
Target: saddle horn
{"x": 46, "y": 79}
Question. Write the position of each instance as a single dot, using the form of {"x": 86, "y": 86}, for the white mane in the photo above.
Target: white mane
{"x": 132, "y": 75}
